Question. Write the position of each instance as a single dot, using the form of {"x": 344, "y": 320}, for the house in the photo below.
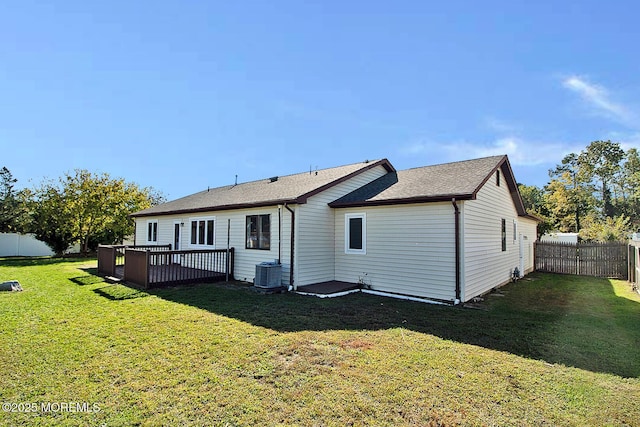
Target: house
{"x": 447, "y": 232}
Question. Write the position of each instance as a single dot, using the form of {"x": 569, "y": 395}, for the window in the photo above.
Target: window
{"x": 152, "y": 231}
{"x": 355, "y": 234}
{"x": 258, "y": 232}
{"x": 202, "y": 231}
{"x": 515, "y": 231}
{"x": 498, "y": 178}
{"x": 504, "y": 235}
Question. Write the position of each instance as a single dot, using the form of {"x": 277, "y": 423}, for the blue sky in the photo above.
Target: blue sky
{"x": 185, "y": 95}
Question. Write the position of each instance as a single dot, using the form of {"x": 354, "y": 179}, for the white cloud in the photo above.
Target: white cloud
{"x": 416, "y": 148}
{"x": 598, "y": 99}
{"x": 628, "y": 141}
{"x": 498, "y": 125}
{"x": 520, "y": 151}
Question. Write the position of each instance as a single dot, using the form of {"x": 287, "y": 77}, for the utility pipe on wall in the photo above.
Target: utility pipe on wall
{"x": 457, "y": 243}
{"x": 228, "y": 249}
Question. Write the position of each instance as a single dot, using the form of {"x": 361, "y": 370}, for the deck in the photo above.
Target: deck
{"x": 157, "y": 266}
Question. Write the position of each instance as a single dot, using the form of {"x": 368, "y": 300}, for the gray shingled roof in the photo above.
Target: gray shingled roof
{"x": 460, "y": 180}
{"x": 286, "y": 189}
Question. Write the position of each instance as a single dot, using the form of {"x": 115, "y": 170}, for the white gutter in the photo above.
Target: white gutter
{"x": 378, "y": 293}
{"x": 337, "y": 294}
{"x": 404, "y": 297}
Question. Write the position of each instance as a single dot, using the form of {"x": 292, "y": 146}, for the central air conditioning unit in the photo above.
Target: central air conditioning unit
{"x": 268, "y": 275}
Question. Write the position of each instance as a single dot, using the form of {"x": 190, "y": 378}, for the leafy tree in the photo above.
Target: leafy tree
{"x": 50, "y": 220}
{"x": 596, "y": 192}
{"x": 569, "y": 194}
{"x": 628, "y": 185}
{"x": 599, "y": 164}
{"x": 12, "y": 207}
{"x": 610, "y": 230}
{"x": 89, "y": 209}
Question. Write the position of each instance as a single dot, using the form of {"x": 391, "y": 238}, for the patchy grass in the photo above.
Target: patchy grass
{"x": 552, "y": 350}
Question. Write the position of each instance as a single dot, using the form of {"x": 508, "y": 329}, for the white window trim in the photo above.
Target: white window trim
{"x": 146, "y": 231}
{"x": 205, "y": 219}
{"x": 347, "y": 249}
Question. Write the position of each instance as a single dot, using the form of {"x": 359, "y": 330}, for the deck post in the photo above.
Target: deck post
{"x": 107, "y": 260}
{"x": 147, "y": 269}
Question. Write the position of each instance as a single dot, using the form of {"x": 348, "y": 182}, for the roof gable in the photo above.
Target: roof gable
{"x": 458, "y": 180}
{"x": 295, "y": 188}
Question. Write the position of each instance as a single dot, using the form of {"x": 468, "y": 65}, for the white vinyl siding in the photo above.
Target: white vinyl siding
{"x": 315, "y": 238}
{"x": 165, "y": 230}
{"x": 245, "y": 259}
{"x": 410, "y": 250}
{"x": 486, "y": 265}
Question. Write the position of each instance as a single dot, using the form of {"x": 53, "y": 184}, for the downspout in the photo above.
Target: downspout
{"x": 226, "y": 278}
{"x": 457, "y": 237}
{"x": 279, "y": 235}
{"x": 293, "y": 240}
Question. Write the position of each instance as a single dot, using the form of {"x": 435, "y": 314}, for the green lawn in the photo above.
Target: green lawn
{"x": 550, "y": 350}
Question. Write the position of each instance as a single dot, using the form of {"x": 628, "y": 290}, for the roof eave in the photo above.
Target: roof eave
{"x": 532, "y": 217}
{"x": 403, "y": 201}
{"x": 509, "y": 178}
{"x": 490, "y": 174}
{"x": 219, "y": 208}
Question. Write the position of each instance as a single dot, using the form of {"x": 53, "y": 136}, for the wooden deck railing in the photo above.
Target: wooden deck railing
{"x": 156, "y": 268}
{"x": 110, "y": 257}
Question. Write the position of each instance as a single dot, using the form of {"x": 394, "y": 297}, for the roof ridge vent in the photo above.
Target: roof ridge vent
{"x": 273, "y": 179}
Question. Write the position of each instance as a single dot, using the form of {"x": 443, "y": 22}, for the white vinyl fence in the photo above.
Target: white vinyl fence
{"x": 14, "y": 244}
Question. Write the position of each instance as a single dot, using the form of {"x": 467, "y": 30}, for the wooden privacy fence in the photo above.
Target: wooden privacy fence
{"x": 588, "y": 259}
{"x": 156, "y": 268}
